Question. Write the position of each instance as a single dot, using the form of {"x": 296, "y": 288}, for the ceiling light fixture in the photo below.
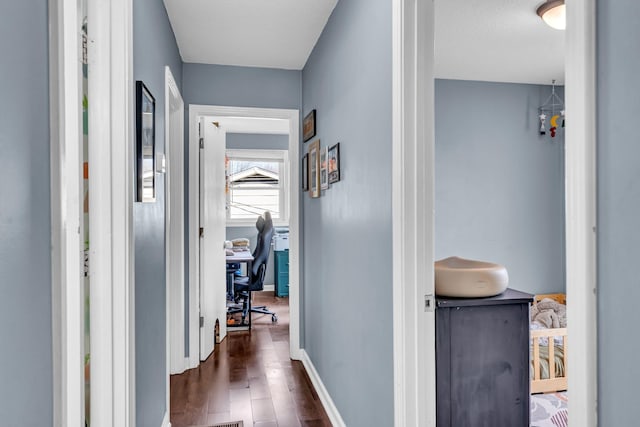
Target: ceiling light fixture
{"x": 553, "y": 14}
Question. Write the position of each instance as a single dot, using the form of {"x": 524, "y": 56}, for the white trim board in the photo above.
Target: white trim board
{"x": 413, "y": 195}
{"x": 323, "y": 394}
{"x": 174, "y": 232}
{"x": 110, "y": 54}
{"x": 293, "y": 117}
{"x": 67, "y": 291}
{"x": 165, "y": 420}
{"x": 580, "y": 216}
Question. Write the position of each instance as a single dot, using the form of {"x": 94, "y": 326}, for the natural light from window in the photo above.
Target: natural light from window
{"x": 255, "y": 184}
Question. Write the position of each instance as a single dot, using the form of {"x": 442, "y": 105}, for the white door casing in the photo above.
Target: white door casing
{"x": 67, "y": 292}
{"x": 413, "y": 194}
{"x": 293, "y": 118}
{"x": 212, "y": 237}
{"x": 174, "y": 224}
{"x": 581, "y": 211}
{"x": 112, "y": 304}
{"x": 111, "y": 189}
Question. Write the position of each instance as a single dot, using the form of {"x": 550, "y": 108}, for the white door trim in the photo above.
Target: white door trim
{"x": 580, "y": 196}
{"x": 413, "y": 196}
{"x": 174, "y": 231}
{"x": 65, "y": 87}
{"x": 111, "y": 187}
{"x": 293, "y": 116}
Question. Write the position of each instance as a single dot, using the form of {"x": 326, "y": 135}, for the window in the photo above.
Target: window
{"x": 256, "y": 182}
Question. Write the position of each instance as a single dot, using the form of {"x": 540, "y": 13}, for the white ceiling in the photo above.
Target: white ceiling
{"x": 496, "y": 40}
{"x": 489, "y": 40}
{"x": 253, "y": 33}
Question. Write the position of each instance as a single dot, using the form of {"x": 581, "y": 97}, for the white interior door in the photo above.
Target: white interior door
{"x": 212, "y": 234}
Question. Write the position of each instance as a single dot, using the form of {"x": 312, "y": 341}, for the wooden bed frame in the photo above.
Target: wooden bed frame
{"x": 553, "y": 383}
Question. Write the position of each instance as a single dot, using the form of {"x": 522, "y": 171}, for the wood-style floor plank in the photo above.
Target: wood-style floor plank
{"x": 249, "y": 377}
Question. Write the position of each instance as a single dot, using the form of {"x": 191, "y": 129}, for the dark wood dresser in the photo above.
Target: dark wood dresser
{"x": 482, "y": 361}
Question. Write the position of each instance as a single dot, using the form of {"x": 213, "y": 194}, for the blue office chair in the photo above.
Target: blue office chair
{"x": 255, "y": 280}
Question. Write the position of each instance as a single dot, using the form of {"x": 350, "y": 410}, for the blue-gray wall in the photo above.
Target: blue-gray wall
{"x": 25, "y": 224}
{"x": 347, "y": 305}
{"x": 251, "y": 141}
{"x": 618, "y": 237}
{"x": 499, "y": 184}
{"x": 154, "y": 46}
{"x": 240, "y": 86}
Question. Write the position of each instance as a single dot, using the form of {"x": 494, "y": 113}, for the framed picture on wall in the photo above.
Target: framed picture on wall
{"x": 145, "y": 144}
{"x": 324, "y": 177}
{"x": 305, "y": 172}
{"x": 333, "y": 161}
{"x": 309, "y": 126}
{"x": 314, "y": 169}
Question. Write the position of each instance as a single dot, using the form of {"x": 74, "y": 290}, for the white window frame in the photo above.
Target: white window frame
{"x": 266, "y": 155}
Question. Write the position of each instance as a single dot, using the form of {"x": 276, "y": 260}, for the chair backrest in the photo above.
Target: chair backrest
{"x": 264, "y": 224}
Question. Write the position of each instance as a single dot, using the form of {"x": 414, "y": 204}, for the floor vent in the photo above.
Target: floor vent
{"x": 233, "y": 424}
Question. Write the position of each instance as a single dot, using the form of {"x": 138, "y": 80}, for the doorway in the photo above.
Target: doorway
{"x": 577, "y": 207}
{"x": 261, "y": 121}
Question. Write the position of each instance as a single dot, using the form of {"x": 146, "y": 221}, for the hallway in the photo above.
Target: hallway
{"x": 251, "y": 378}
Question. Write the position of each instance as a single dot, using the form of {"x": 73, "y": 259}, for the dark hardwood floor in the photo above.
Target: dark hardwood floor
{"x": 249, "y": 377}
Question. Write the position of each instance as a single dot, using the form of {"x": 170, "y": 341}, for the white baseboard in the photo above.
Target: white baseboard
{"x": 327, "y": 402}
{"x": 270, "y": 288}
{"x": 165, "y": 420}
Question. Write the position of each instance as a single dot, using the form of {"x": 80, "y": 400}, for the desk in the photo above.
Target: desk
{"x": 239, "y": 256}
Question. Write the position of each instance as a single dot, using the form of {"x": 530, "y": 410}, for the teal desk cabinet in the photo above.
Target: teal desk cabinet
{"x": 282, "y": 273}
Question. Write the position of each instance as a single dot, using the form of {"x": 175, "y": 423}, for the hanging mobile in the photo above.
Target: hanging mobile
{"x": 543, "y": 118}
{"x": 554, "y": 125}
{"x": 555, "y": 108}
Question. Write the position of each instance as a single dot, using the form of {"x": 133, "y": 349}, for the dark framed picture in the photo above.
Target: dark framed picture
{"x": 333, "y": 157}
{"x": 305, "y": 172}
{"x": 145, "y": 144}
{"x": 309, "y": 126}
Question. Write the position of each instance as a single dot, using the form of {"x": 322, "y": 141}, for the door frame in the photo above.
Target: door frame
{"x": 413, "y": 199}
{"x": 67, "y": 290}
{"x": 112, "y": 184}
{"x": 414, "y": 345}
{"x": 174, "y": 233}
{"x": 581, "y": 209}
{"x": 293, "y": 116}
{"x": 111, "y": 213}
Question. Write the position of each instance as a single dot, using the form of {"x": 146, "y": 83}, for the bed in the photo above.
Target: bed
{"x": 549, "y": 354}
